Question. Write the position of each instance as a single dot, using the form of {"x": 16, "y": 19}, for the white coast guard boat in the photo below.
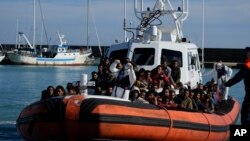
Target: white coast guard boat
{"x": 155, "y": 41}
{"x": 55, "y": 55}
{"x": 96, "y": 117}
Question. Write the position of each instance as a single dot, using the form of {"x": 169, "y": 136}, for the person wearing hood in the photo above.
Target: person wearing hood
{"x": 224, "y": 73}
{"x": 244, "y": 73}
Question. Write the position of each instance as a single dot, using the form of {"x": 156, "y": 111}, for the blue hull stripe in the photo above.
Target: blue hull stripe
{"x": 53, "y": 59}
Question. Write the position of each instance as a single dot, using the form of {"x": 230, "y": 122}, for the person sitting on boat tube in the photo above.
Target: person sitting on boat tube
{"x": 125, "y": 78}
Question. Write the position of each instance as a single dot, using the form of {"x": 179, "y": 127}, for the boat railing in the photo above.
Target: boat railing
{"x": 81, "y": 51}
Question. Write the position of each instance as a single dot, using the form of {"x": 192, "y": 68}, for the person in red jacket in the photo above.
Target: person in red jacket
{"x": 244, "y": 73}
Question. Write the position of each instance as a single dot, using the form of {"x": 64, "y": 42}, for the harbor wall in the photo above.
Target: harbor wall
{"x": 231, "y": 57}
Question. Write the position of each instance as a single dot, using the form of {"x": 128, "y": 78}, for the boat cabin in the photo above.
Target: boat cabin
{"x": 59, "y": 49}
{"x": 150, "y": 55}
{"x": 154, "y": 43}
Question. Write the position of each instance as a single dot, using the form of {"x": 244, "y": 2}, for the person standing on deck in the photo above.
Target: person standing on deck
{"x": 244, "y": 73}
{"x": 223, "y": 74}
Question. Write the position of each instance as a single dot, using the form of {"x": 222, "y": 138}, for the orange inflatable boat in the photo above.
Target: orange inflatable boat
{"x": 106, "y": 118}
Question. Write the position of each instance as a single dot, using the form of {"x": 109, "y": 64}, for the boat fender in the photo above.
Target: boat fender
{"x": 84, "y": 83}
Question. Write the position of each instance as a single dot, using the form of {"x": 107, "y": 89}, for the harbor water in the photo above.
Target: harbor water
{"x": 22, "y": 85}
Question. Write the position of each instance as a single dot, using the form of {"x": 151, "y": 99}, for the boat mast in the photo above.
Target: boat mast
{"x": 87, "y": 24}
{"x": 41, "y": 39}
{"x": 96, "y": 32}
{"x": 43, "y": 24}
{"x": 17, "y": 30}
{"x": 34, "y": 23}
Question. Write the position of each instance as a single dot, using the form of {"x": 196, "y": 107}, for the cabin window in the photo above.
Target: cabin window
{"x": 143, "y": 56}
{"x": 119, "y": 54}
{"x": 193, "y": 61}
{"x": 197, "y": 62}
{"x": 171, "y": 55}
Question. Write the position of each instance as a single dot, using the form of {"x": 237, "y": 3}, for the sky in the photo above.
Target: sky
{"x": 227, "y": 22}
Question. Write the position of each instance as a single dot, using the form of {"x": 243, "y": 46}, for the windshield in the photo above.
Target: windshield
{"x": 171, "y": 55}
{"x": 143, "y": 56}
{"x": 119, "y": 54}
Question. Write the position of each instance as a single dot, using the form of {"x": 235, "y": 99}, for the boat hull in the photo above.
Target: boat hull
{"x": 77, "y": 59}
{"x": 98, "y": 118}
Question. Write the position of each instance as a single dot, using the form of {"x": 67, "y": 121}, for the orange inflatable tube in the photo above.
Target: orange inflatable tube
{"x": 84, "y": 118}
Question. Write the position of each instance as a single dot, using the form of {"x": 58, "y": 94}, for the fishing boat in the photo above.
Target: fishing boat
{"x": 96, "y": 117}
{"x": 54, "y": 55}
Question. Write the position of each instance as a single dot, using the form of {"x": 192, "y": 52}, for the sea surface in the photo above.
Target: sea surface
{"x": 22, "y": 85}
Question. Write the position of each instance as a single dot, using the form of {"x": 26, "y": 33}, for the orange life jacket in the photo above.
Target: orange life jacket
{"x": 247, "y": 63}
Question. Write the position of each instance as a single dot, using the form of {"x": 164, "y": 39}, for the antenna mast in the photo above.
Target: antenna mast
{"x": 124, "y": 24}
{"x": 203, "y": 34}
{"x": 163, "y": 7}
{"x": 87, "y": 23}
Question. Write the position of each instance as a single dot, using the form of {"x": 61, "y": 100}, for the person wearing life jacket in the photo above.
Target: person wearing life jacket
{"x": 125, "y": 78}
{"x": 223, "y": 74}
{"x": 244, "y": 73}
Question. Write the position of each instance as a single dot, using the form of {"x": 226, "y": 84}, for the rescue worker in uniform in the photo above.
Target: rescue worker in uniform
{"x": 244, "y": 73}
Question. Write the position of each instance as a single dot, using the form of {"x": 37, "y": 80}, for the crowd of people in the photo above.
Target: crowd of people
{"x": 160, "y": 86}
{"x": 51, "y": 91}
